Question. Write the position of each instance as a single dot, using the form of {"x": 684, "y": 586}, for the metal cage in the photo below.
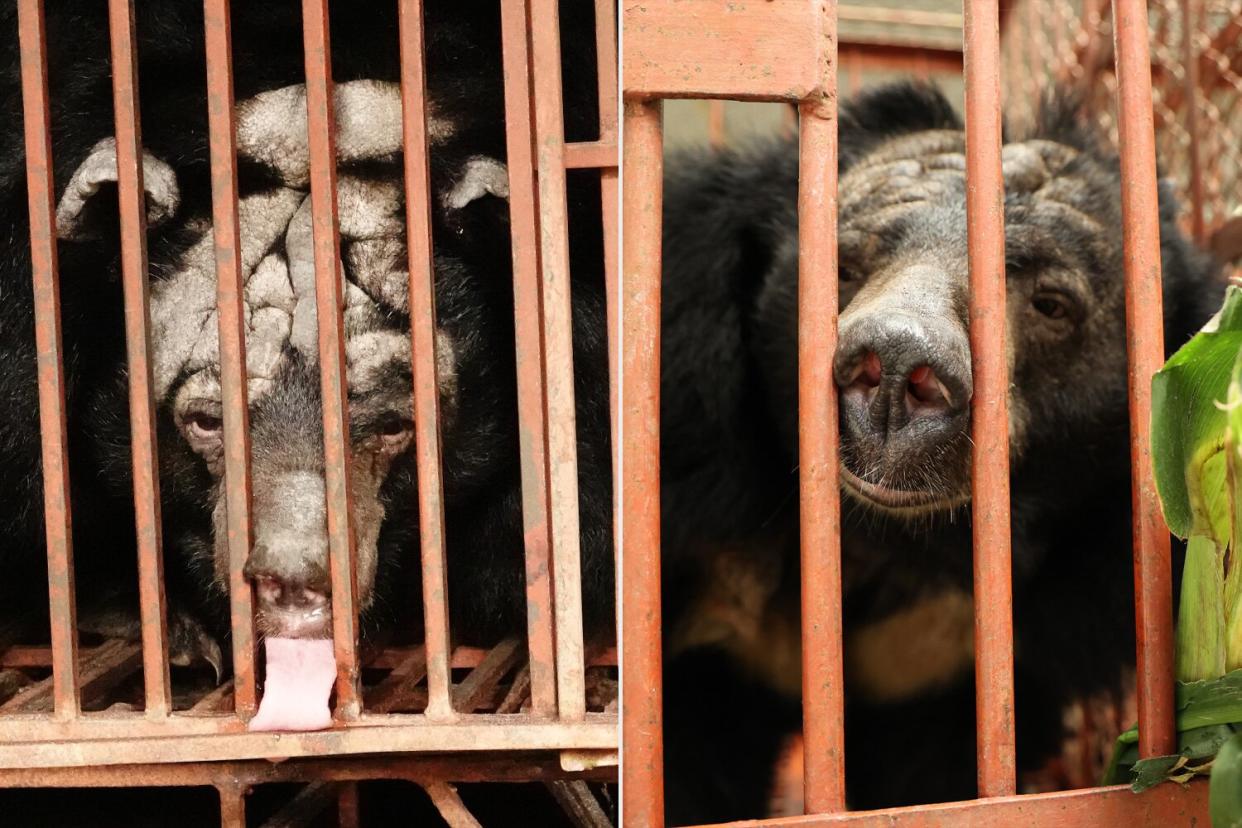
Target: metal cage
{"x": 537, "y": 725}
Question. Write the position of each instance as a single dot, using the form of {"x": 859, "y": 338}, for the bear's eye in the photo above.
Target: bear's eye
{"x": 203, "y": 424}
{"x": 394, "y": 431}
{"x": 1050, "y": 305}
{"x": 849, "y": 269}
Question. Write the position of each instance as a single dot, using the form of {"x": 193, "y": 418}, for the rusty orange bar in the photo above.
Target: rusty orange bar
{"x": 461, "y": 767}
{"x": 423, "y": 358}
{"x": 610, "y": 196}
{"x": 716, "y": 123}
{"x": 1160, "y": 807}
{"x": 823, "y": 699}
{"x": 138, "y": 344}
{"x": 528, "y": 322}
{"x": 229, "y": 296}
{"x": 852, "y": 57}
{"x": 593, "y": 154}
{"x": 708, "y": 49}
{"x": 1145, "y": 346}
{"x": 37, "y": 741}
{"x": 329, "y": 303}
{"x": 985, "y": 225}
{"x": 642, "y": 787}
{"x": 1190, "y": 60}
{"x": 558, "y": 356}
{"x": 347, "y": 806}
{"x": 232, "y": 805}
{"x": 1060, "y": 38}
{"x": 53, "y": 430}
{"x": 1031, "y": 54}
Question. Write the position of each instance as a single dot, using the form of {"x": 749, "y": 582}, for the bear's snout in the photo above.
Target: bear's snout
{"x": 897, "y": 370}
{"x": 905, "y": 388}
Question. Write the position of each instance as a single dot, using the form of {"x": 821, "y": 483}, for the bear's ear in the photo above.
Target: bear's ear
{"x": 883, "y": 112}
{"x": 479, "y": 178}
{"x": 88, "y": 207}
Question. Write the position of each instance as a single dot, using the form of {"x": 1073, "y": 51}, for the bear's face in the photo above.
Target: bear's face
{"x": 288, "y": 560}
{"x": 904, "y": 364}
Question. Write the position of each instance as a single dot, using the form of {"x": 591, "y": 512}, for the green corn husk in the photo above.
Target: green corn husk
{"x": 1193, "y": 398}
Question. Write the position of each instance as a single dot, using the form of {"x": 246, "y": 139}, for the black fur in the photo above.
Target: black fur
{"x": 729, "y": 466}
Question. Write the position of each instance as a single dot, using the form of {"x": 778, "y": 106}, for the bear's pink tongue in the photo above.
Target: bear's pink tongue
{"x": 300, "y": 674}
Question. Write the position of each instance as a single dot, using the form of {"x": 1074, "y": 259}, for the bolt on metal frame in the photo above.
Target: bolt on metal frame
{"x": 787, "y": 52}
{"x": 87, "y": 746}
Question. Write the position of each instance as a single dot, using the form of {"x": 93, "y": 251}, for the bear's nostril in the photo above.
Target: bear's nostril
{"x": 867, "y": 373}
{"x": 926, "y": 389}
{"x": 314, "y": 599}
{"x": 275, "y": 593}
{"x": 268, "y": 590}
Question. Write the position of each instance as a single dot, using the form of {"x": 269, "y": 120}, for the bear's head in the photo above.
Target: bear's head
{"x": 288, "y": 560}
{"x": 903, "y": 366}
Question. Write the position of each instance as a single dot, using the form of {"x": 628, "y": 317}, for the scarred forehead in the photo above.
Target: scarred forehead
{"x": 276, "y": 239}
{"x": 1046, "y": 183}
{"x": 933, "y": 160}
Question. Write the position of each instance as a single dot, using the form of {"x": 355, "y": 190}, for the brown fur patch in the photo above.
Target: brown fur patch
{"x": 737, "y": 610}
{"x": 926, "y": 645}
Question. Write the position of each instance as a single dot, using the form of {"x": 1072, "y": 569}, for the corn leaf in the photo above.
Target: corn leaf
{"x": 1233, "y": 478}
{"x": 1208, "y": 712}
{"x": 1201, "y": 614}
{"x": 1225, "y": 793}
{"x": 1188, "y": 425}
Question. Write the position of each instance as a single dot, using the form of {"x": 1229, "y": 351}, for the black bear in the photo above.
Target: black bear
{"x": 474, "y": 298}
{"x": 729, "y": 457}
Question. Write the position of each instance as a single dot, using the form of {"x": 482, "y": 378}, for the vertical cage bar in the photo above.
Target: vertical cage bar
{"x": 606, "y": 53}
{"x": 1060, "y": 37}
{"x": 853, "y": 69}
{"x": 716, "y": 123}
{"x": 232, "y": 806}
{"x": 1031, "y": 49}
{"x": 347, "y": 815}
{"x": 1145, "y": 346}
{"x": 423, "y": 358}
{"x": 528, "y": 341}
{"x": 610, "y": 194}
{"x": 642, "y": 786}
{"x": 51, "y": 368}
{"x": 823, "y": 704}
{"x": 1190, "y": 107}
{"x": 985, "y": 224}
{"x": 138, "y": 344}
{"x": 559, "y": 366}
{"x": 229, "y": 296}
{"x": 329, "y": 304}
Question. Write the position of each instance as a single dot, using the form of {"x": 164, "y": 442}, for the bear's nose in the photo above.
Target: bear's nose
{"x": 896, "y": 369}
{"x": 292, "y": 588}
